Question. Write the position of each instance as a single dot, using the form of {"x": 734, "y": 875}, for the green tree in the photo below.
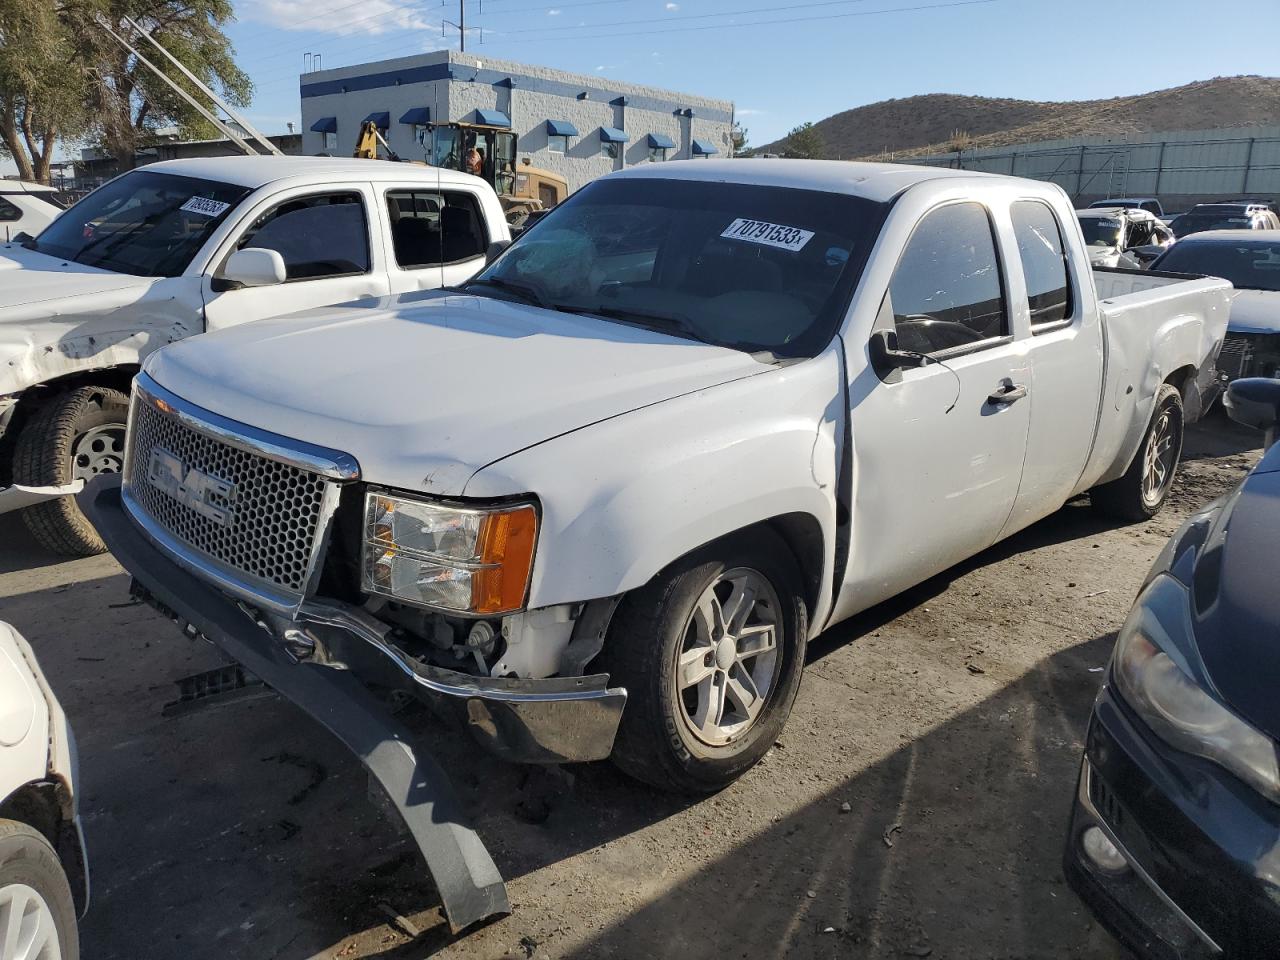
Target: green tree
{"x": 804, "y": 142}
{"x": 128, "y": 101}
{"x": 738, "y": 141}
{"x": 42, "y": 87}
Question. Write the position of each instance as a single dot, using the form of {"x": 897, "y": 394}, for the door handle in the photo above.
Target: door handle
{"x": 1007, "y": 393}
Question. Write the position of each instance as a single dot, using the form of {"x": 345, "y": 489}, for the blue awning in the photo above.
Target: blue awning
{"x": 661, "y": 142}
{"x": 704, "y": 148}
{"x": 613, "y": 135}
{"x": 381, "y": 119}
{"x": 419, "y": 115}
{"x": 325, "y": 125}
{"x": 492, "y": 118}
{"x": 561, "y": 128}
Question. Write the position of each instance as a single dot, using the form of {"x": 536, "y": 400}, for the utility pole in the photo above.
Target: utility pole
{"x": 461, "y": 25}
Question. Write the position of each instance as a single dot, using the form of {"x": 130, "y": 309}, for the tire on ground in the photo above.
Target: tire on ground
{"x": 27, "y": 860}
{"x": 42, "y": 458}
{"x": 655, "y": 743}
{"x": 1126, "y": 498}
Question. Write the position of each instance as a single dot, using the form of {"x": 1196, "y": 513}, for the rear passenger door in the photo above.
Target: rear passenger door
{"x": 1066, "y": 357}
{"x": 327, "y": 243}
{"x": 435, "y": 238}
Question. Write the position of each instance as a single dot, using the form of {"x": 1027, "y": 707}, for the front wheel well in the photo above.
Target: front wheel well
{"x": 46, "y": 806}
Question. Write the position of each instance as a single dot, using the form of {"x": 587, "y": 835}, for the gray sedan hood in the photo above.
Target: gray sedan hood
{"x": 425, "y": 389}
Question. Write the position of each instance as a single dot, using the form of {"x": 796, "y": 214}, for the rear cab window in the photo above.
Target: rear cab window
{"x": 947, "y": 293}
{"x": 435, "y": 227}
{"x": 1044, "y": 264}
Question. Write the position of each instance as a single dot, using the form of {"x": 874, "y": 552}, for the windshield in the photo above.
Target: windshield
{"x": 1251, "y": 265}
{"x": 1190, "y": 223}
{"x": 146, "y": 224}
{"x": 1101, "y": 231}
{"x": 749, "y": 267}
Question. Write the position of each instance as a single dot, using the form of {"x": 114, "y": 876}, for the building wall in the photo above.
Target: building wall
{"x": 1181, "y": 167}
{"x": 454, "y": 85}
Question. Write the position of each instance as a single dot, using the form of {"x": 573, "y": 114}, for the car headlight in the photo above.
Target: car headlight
{"x": 470, "y": 560}
{"x": 1154, "y": 676}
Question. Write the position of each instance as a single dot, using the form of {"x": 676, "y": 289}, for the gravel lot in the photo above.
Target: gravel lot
{"x": 949, "y": 721}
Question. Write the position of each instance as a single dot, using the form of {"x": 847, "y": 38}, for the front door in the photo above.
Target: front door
{"x": 328, "y": 250}
{"x": 937, "y": 449}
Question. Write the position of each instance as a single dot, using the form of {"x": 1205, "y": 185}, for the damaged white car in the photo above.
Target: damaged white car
{"x": 178, "y": 248}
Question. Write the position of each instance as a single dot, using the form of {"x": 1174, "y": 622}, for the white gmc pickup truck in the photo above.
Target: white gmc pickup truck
{"x": 177, "y": 248}
{"x": 600, "y": 496}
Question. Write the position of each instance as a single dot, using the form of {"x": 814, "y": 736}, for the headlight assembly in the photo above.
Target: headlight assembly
{"x": 464, "y": 559}
{"x": 1154, "y": 677}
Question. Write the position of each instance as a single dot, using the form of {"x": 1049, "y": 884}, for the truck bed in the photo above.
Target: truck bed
{"x": 1152, "y": 323}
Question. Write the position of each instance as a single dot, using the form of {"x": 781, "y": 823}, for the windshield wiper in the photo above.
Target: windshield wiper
{"x": 527, "y": 291}
{"x": 673, "y": 321}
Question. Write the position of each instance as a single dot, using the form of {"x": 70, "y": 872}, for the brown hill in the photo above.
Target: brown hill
{"x": 924, "y": 124}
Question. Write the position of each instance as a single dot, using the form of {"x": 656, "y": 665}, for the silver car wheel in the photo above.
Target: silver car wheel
{"x": 728, "y": 662}
{"x": 99, "y": 450}
{"x": 27, "y": 928}
{"x": 1159, "y": 459}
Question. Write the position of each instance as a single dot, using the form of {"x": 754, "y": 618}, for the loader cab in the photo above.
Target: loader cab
{"x": 495, "y": 149}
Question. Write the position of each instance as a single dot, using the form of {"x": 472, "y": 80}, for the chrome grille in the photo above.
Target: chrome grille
{"x": 1236, "y": 353}
{"x": 266, "y": 524}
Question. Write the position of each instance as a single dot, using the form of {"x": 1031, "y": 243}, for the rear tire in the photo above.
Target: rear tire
{"x": 35, "y": 896}
{"x": 724, "y": 626}
{"x": 78, "y": 434}
{"x": 1142, "y": 491}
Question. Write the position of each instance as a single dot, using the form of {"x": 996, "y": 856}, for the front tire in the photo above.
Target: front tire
{"x": 77, "y": 435}
{"x": 1143, "y": 489}
{"x": 38, "y": 913}
{"x": 711, "y": 652}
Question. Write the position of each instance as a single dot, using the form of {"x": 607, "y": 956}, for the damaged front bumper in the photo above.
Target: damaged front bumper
{"x": 323, "y": 658}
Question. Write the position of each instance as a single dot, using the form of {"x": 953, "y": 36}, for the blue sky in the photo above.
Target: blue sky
{"x": 788, "y": 62}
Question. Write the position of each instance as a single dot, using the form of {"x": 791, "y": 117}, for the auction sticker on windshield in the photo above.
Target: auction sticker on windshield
{"x": 205, "y": 207}
{"x": 769, "y": 234}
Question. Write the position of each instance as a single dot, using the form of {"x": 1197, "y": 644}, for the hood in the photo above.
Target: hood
{"x": 1255, "y": 311}
{"x": 425, "y": 389}
{"x": 28, "y": 277}
{"x": 58, "y": 317}
{"x": 1234, "y": 598}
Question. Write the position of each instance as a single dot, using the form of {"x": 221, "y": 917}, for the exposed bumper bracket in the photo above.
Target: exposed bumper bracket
{"x": 465, "y": 875}
{"x": 18, "y": 496}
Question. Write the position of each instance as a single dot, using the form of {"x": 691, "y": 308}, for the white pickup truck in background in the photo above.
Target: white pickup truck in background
{"x": 178, "y": 248}
{"x": 599, "y": 497}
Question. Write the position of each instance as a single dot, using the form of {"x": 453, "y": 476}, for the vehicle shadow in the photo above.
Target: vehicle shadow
{"x": 1217, "y": 435}
{"x": 18, "y": 549}
{"x": 950, "y": 848}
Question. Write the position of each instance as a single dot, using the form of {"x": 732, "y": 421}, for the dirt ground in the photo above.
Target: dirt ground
{"x": 949, "y": 720}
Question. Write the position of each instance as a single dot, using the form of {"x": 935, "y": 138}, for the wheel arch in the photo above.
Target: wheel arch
{"x": 46, "y": 806}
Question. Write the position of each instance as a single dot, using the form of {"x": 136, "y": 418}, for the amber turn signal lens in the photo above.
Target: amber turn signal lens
{"x": 505, "y": 547}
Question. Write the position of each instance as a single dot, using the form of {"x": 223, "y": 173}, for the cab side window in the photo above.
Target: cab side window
{"x": 8, "y": 212}
{"x": 433, "y": 228}
{"x": 1044, "y": 263}
{"x": 946, "y": 291}
{"x": 326, "y": 235}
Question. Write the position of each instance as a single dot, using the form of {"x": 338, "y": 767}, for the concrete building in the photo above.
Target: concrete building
{"x": 578, "y": 126}
{"x": 1181, "y": 167}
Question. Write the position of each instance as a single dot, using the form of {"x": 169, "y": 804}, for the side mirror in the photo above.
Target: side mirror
{"x": 1255, "y": 402}
{"x": 253, "y": 267}
{"x": 885, "y": 355}
{"x": 495, "y": 250}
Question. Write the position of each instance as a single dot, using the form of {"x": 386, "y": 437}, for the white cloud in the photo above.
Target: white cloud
{"x": 673, "y": 6}
{"x": 336, "y": 16}
{"x": 553, "y": 13}
{"x": 748, "y": 113}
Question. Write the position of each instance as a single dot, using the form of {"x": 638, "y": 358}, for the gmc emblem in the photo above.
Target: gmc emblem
{"x": 208, "y": 496}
